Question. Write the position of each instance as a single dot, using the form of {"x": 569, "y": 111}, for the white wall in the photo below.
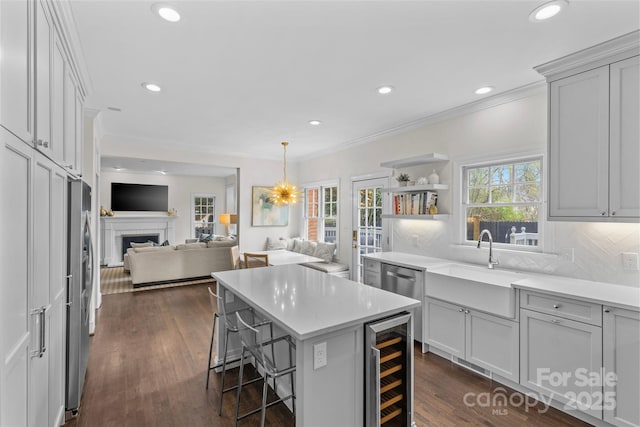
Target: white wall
{"x": 180, "y": 189}
{"x": 517, "y": 126}
{"x": 252, "y": 172}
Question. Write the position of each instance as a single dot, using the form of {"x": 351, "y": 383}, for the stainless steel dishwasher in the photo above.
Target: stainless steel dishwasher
{"x": 407, "y": 282}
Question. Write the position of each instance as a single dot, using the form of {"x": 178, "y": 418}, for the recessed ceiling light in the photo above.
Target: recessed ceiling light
{"x": 315, "y": 122}
{"x": 163, "y": 172}
{"x": 483, "y": 90}
{"x": 114, "y": 109}
{"x": 166, "y": 12}
{"x": 118, "y": 168}
{"x": 547, "y": 10}
{"x": 151, "y": 87}
{"x": 385, "y": 89}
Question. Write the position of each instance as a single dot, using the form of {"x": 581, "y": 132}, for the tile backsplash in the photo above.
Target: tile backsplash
{"x": 597, "y": 249}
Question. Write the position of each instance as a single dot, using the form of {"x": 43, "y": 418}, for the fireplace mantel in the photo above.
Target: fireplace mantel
{"x": 112, "y": 228}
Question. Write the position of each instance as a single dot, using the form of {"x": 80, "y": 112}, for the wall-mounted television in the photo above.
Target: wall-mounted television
{"x": 139, "y": 197}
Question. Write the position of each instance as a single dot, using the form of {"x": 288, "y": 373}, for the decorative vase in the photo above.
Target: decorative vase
{"x": 110, "y": 213}
{"x": 402, "y": 183}
{"x": 434, "y": 178}
{"x": 103, "y": 211}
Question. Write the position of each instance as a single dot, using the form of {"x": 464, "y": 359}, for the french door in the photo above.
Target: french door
{"x": 368, "y": 229}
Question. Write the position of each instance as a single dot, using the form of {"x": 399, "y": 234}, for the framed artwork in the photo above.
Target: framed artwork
{"x": 264, "y": 212}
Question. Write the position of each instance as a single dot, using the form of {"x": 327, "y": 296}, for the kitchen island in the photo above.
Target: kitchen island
{"x": 315, "y": 308}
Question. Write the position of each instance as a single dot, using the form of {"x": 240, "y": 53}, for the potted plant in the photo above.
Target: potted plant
{"x": 402, "y": 179}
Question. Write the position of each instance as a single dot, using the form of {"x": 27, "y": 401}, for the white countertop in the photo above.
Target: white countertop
{"x": 307, "y": 302}
{"x": 281, "y": 257}
{"x": 598, "y": 292}
{"x": 408, "y": 260}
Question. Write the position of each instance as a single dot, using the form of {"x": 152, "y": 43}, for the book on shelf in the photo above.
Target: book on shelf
{"x": 417, "y": 203}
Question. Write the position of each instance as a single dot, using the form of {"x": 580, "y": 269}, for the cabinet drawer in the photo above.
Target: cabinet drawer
{"x": 563, "y": 307}
{"x": 372, "y": 266}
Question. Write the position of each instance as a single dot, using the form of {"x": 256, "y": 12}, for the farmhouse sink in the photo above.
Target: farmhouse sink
{"x": 474, "y": 287}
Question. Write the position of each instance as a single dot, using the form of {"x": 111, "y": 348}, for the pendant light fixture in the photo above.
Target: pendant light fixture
{"x": 285, "y": 193}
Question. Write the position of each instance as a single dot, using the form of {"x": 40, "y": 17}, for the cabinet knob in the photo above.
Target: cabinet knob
{"x": 556, "y": 306}
{"x": 555, "y": 321}
{"x": 606, "y": 310}
{"x": 613, "y": 213}
{"x": 466, "y": 311}
{"x": 603, "y": 213}
{"x": 460, "y": 310}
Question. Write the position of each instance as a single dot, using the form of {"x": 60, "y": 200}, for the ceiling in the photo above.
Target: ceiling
{"x": 242, "y": 76}
{"x": 158, "y": 167}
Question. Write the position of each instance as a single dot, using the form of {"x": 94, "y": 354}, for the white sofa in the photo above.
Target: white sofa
{"x": 170, "y": 263}
{"x": 330, "y": 265}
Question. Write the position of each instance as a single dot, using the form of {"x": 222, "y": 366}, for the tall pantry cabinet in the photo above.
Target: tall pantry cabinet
{"x": 41, "y": 96}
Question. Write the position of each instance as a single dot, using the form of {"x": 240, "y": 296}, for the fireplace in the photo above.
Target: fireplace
{"x": 127, "y": 239}
{"x": 114, "y": 230}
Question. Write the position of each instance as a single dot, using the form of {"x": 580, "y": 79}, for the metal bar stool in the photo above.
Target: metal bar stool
{"x": 229, "y": 320}
{"x": 253, "y": 346}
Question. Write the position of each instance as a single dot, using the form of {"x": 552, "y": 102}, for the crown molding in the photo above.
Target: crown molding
{"x": 471, "y": 107}
{"x": 617, "y": 49}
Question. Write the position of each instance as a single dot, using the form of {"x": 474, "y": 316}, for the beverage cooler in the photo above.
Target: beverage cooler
{"x": 389, "y": 371}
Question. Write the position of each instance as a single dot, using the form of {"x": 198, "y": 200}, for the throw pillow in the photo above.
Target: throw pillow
{"x": 297, "y": 246}
{"x": 325, "y": 251}
{"x": 141, "y": 245}
{"x": 165, "y": 243}
{"x": 273, "y": 244}
{"x": 205, "y": 238}
{"x": 308, "y": 247}
{"x": 290, "y": 241}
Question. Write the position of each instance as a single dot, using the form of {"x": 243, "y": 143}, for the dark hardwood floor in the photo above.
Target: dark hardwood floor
{"x": 147, "y": 367}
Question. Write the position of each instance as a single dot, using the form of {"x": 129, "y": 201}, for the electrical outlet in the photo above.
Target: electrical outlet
{"x": 319, "y": 355}
{"x": 630, "y": 261}
{"x": 566, "y": 254}
{"x": 228, "y": 297}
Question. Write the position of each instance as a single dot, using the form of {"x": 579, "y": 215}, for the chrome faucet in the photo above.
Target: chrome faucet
{"x": 492, "y": 262}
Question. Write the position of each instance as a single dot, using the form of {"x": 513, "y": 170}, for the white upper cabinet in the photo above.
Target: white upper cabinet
{"x": 16, "y": 68}
{"x": 42, "y": 91}
{"x": 624, "y": 128}
{"x": 579, "y": 145}
{"x": 44, "y": 28}
{"x": 57, "y": 97}
{"x": 594, "y": 137}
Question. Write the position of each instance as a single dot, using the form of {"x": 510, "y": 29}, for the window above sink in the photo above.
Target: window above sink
{"x": 505, "y": 197}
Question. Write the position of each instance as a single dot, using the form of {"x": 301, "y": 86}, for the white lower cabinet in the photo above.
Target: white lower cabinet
{"x": 557, "y": 358}
{"x": 33, "y": 292}
{"x": 482, "y": 339}
{"x": 621, "y": 356}
{"x": 444, "y": 326}
{"x": 371, "y": 274}
{"x": 492, "y": 343}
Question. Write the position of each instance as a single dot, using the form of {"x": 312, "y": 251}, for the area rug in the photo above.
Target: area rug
{"x": 114, "y": 280}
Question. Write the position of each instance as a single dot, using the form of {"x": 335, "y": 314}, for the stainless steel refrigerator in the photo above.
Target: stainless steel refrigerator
{"x": 79, "y": 288}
